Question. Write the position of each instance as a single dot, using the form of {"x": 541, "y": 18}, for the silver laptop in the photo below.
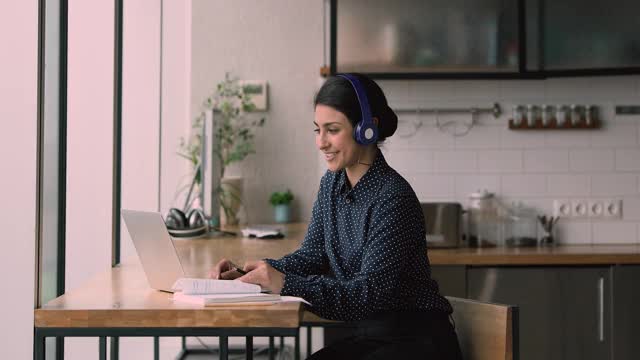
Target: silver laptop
{"x": 154, "y": 247}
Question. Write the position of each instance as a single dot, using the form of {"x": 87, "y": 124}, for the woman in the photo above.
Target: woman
{"x": 364, "y": 257}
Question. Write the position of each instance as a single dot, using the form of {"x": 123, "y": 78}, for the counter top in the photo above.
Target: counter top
{"x": 556, "y": 255}
{"x": 252, "y": 249}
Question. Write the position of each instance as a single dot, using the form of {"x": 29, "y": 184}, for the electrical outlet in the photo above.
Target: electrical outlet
{"x": 613, "y": 208}
{"x": 579, "y": 208}
{"x": 596, "y": 208}
{"x": 561, "y": 208}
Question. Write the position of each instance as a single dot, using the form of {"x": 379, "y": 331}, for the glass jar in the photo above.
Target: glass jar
{"x": 575, "y": 115}
{"x": 547, "y": 114}
{"x": 561, "y": 115}
{"x": 591, "y": 115}
{"x": 521, "y": 226}
{"x": 517, "y": 115}
{"x": 484, "y": 222}
{"x": 532, "y": 115}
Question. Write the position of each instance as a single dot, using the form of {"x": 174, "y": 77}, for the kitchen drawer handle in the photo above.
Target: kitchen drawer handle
{"x": 601, "y": 309}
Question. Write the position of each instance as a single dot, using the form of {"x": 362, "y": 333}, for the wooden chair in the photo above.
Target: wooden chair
{"x": 486, "y": 331}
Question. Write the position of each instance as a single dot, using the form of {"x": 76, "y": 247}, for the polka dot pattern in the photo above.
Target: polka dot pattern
{"x": 364, "y": 252}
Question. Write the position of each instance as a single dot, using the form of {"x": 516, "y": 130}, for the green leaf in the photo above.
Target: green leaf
{"x": 281, "y": 198}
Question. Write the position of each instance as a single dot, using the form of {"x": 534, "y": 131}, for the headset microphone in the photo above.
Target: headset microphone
{"x": 366, "y": 131}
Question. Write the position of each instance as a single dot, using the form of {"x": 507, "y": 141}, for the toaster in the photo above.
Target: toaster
{"x": 443, "y": 223}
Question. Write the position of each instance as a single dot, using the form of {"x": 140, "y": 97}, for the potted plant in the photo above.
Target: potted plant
{"x": 234, "y": 140}
{"x": 281, "y": 202}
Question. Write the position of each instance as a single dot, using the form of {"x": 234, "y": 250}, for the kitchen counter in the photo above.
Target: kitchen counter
{"x": 555, "y": 255}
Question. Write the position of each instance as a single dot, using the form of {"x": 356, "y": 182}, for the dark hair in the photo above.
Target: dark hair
{"x": 338, "y": 93}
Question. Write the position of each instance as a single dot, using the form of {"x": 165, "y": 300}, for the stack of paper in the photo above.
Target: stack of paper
{"x": 213, "y": 299}
{"x": 194, "y": 286}
{"x": 208, "y": 292}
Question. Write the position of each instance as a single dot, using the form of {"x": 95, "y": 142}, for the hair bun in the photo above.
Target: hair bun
{"x": 388, "y": 122}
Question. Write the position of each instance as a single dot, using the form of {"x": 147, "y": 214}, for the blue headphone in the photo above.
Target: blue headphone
{"x": 365, "y": 132}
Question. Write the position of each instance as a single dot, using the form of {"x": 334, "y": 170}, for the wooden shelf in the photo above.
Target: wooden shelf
{"x": 553, "y": 125}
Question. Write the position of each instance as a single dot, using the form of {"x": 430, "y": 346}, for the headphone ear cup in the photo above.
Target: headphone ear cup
{"x": 178, "y": 216}
{"x": 196, "y": 218}
{"x": 170, "y": 222}
{"x": 366, "y": 135}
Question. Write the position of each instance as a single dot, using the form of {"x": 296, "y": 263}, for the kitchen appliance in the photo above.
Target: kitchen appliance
{"x": 521, "y": 226}
{"x": 443, "y": 222}
{"x": 484, "y": 221}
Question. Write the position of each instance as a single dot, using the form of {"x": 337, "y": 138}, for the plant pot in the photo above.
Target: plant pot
{"x": 230, "y": 199}
{"x": 282, "y": 213}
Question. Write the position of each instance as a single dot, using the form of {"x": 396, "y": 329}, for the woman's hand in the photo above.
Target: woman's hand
{"x": 224, "y": 270}
{"x": 263, "y": 274}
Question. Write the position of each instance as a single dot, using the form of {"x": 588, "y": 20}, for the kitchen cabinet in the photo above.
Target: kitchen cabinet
{"x": 626, "y": 312}
{"x": 407, "y": 39}
{"x": 579, "y": 35}
{"x": 413, "y": 37}
{"x": 452, "y": 279}
{"x": 564, "y": 311}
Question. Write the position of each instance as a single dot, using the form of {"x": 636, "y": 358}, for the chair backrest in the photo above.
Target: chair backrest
{"x": 486, "y": 331}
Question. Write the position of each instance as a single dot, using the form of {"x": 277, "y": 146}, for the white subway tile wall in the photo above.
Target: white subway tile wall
{"x": 614, "y": 184}
{"x": 568, "y": 185}
{"x": 631, "y": 210}
{"x": 500, "y": 161}
{"x": 546, "y": 161}
{"x": 628, "y": 160}
{"x": 591, "y": 160}
{"x": 455, "y": 161}
{"x": 534, "y": 167}
{"x": 619, "y": 232}
{"x": 615, "y": 136}
{"x": 574, "y": 232}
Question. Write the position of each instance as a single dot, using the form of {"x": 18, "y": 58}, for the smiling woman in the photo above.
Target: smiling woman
{"x": 364, "y": 256}
{"x": 338, "y": 115}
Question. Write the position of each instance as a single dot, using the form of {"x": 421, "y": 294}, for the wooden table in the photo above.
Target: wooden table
{"x": 119, "y": 302}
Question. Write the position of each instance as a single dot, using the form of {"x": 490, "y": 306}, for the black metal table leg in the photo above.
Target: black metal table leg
{"x": 281, "y": 347}
{"x": 271, "y": 348}
{"x": 249, "y": 348}
{"x": 297, "y": 346}
{"x": 309, "y": 342}
{"x": 103, "y": 347}
{"x": 224, "y": 348}
{"x": 38, "y": 346}
{"x": 156, "y": 348}
{"x": 41, "y": 334}
{"x": 59, "y": 348}
{"x": 115, "y": 348}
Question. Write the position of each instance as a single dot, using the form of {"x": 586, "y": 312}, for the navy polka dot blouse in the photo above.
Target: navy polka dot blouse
{"x": 364, "y": 252}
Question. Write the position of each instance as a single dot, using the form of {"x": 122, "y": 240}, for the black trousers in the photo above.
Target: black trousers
{"x": 401, "y": 336}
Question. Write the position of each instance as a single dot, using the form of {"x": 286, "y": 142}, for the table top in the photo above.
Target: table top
{"x": 555, "y": 255}
{"x": 121, "y": 297}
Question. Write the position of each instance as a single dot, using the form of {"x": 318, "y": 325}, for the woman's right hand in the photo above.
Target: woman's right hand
{"x": 224, "y": 270}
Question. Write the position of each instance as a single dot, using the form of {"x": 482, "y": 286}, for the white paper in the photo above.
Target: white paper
{"x": 192, "y": 286}
{"x": 260, "y": 231}
{"x": 205, "y": 299}
{"x": 211, "y": 299}
{"x": 293, "y": 299}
